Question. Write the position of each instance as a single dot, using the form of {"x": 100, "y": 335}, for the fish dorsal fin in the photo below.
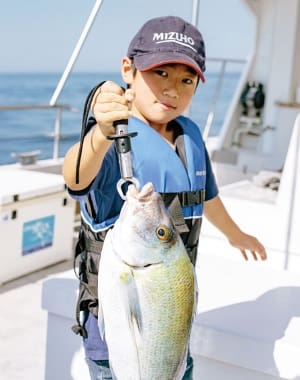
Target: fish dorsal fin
{"x": 100, "y": 319}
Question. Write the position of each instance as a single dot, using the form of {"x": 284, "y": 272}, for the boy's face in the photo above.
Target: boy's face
{"x": 163, "y": 93}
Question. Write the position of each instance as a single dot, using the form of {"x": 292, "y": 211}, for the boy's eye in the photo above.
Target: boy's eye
{"x": 188, "y": 81}
{"x": 164, "y": 74}
{"x": 161, "y": 73}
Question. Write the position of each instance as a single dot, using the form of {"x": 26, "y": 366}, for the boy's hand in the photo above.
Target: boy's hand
{"x": 217, "y": 214}
{"x": 109, "y": 104}
{"x": 245, "y": 242}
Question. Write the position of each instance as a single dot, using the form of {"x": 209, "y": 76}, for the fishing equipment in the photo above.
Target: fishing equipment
{"x": 122, "y": 143}
{"x": 123, "y": 147}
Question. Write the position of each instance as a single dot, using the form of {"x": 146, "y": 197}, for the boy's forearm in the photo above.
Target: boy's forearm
{"x": 216, "y": 213}
{"x": 94, "y": 149}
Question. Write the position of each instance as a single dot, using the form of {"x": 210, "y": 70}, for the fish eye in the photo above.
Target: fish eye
{"x": 163, "y": 233}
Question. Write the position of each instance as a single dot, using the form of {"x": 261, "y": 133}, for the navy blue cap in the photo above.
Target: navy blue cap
{"x": 165, "y": 40}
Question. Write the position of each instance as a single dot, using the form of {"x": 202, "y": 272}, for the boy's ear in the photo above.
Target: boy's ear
{"x": 127, "y": 70}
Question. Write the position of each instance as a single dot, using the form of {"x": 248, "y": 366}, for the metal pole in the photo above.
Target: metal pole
{"x": 291, "y": 210}
{"x": 57, "y": 134}
{"x": 195, "y": 14}
{"x": 76, "y": 51}
{"x": 211, "y": 114}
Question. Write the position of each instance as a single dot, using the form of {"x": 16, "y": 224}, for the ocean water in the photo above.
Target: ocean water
{"x": 28, "y": 130}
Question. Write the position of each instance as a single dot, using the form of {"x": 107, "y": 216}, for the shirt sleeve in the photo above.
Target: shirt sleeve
{"x": 211, "y": 187}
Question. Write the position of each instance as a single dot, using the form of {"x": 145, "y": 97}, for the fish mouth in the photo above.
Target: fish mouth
{"x": 146, "y": 194}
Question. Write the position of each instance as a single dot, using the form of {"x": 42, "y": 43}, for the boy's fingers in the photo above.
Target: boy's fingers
{"x": 254, "y": 255}
{"x": 108, "y": 87}
{"x": 129, "y": 95}
{"x": 243, "y": 252}
{"x": 112, "y": 87}
{"x": 263, "y": 254}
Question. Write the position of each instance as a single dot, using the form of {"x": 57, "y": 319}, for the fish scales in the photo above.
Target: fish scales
{"x": 146, "y": 293}
{"x": 168, "y": 318}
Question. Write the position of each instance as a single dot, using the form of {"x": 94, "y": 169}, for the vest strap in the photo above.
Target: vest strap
{"x": 87, "y": 281}
{"x": 79, "y": 330}
{"x": 186, "y": 198}
{"x": 177, "y": 217}
{"x": 94, "y": 246}
{"x": 191, "y": 198}
{"x": 175, "y": 202}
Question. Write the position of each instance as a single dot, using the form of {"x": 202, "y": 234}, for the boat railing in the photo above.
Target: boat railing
{"x": 30, "y": 156}
{"x": 222, "y": 65}
{"x": 224, "y": 62}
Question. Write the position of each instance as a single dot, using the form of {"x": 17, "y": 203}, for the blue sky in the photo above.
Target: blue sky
{"x": 40, "y": 35}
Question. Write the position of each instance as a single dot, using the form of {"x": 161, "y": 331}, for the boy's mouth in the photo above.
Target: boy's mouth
{"x": 168, "y": 105}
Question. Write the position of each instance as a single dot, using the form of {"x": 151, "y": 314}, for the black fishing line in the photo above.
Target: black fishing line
{"x": 86, "y": 125}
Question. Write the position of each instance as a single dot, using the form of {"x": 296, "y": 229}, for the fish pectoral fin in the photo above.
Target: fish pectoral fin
{"x": 131, "y": 299}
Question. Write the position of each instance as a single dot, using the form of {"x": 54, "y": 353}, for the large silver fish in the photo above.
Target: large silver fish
{"x": 147, "y": 292}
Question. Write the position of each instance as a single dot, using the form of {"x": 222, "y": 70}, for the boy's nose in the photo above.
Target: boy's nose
{"x": 171, "y": 91}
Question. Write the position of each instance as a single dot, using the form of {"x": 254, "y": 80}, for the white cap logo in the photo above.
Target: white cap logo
{"x": 178, "y": 38}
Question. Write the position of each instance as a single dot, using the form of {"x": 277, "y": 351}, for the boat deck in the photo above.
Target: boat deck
{"x": 230, "y": 323}
{"x": 24, "y": 325}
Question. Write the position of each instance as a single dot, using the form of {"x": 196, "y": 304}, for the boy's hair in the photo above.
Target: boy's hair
{"x": 165, "y": 40}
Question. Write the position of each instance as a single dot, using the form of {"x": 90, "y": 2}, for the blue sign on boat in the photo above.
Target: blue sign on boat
{"x": 38, "y": 234}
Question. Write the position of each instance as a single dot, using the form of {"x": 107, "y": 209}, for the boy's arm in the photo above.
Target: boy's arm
{"x": 216, "y": 213}
{"x": 94, "y": 148}
{"x": 109, "y": 104}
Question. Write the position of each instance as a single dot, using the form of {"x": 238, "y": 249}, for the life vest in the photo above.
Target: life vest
{"x": 162, "y": 166}
{"x": 154, "y": 160}
{"x": 182, "y": 188}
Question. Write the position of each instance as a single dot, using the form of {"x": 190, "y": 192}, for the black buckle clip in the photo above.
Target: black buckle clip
{"x": 192, "y": 198}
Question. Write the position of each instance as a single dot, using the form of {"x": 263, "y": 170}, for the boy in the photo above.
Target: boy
{"x": 164, "y": 63}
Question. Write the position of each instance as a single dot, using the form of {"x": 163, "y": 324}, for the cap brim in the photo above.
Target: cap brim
{"x": 147, "y": 62}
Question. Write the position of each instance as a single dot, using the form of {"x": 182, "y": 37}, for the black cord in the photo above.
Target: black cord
{"x": 85, "y": 127}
